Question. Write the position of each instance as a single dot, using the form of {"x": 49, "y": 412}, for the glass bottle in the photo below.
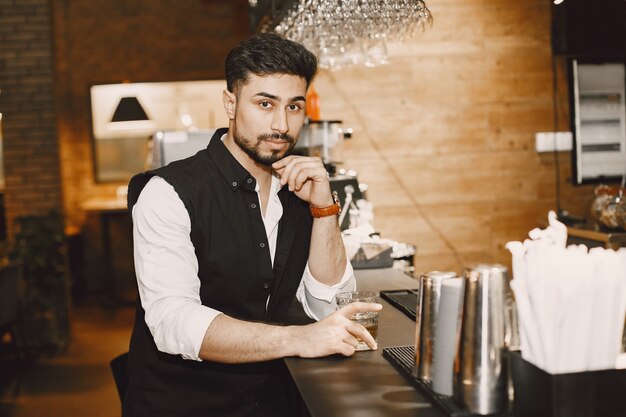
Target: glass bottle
{"x": 312, "y": 104}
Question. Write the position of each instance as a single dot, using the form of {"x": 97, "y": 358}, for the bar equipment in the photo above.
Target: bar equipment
{"x": 323, "y": 138}
{"x": 348, "y": 202}
{"x": 348, "y": 189}
{"x": 403, "y": 256}
{"x": 481, "y": 379}
{"x": 447, "y": 333}
{"x": 426, "y": 322}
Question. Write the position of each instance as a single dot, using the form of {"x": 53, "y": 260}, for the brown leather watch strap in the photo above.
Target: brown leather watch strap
{"x": 332, "y": 210}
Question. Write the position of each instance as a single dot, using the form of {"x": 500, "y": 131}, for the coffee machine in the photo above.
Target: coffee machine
{"x": 324, "y": 139}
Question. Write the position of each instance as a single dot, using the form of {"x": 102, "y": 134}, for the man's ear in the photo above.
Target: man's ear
{"x": 230, "y": 104}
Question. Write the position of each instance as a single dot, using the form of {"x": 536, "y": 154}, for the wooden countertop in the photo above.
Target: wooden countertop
{"x": 365, "y": 385}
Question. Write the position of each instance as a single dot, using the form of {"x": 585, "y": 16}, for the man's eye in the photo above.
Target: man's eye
{"x": 294, "y": 107}
{"x": 265, "y": 104}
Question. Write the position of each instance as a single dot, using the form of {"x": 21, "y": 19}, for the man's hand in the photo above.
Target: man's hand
{"x": 306, "y": 177}
{"x": 335, "y": 333}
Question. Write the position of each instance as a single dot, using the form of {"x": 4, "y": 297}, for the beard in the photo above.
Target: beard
{"x": 253, "y": 151}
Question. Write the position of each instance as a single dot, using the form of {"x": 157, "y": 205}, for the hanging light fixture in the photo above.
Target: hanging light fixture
{"x": 129, "y": 110}
{"x": 349, "y": 32}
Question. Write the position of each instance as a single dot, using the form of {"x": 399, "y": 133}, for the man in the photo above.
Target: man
{"x": 223, "y": 241}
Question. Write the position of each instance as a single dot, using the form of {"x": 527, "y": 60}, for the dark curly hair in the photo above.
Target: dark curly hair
{"x": 268, "y": 53}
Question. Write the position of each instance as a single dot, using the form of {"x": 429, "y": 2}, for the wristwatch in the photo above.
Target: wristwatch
{"x": 333, "y": 210}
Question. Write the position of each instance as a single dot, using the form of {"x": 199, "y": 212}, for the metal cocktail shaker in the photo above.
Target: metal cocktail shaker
{"x": 481, "y": 371}
{"x": 427, "y": 311}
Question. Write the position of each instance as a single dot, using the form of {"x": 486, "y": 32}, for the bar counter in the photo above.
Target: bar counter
{"x": 366, "y": 384}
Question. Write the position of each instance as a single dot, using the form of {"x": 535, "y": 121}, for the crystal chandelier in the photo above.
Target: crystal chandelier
{"x": 349, "y": 32}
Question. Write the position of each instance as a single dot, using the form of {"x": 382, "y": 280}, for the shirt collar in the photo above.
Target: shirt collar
{"x": 275, "y": 185}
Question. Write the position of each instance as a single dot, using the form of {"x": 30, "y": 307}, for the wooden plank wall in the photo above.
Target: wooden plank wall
{"x": 444, "y": 134}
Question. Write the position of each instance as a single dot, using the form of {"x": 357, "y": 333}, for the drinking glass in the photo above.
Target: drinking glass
{"x": 367, "y": 319}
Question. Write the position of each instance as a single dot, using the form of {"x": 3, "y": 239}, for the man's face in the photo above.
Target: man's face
{"x": 269, "y": 114}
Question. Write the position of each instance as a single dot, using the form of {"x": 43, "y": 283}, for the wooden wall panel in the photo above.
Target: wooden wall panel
{"x": 444, "y": 134}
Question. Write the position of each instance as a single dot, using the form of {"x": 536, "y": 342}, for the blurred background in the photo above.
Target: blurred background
{"x": 443, "y": 132}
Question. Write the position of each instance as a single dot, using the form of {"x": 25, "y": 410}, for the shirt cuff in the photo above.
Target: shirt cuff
{"x": 185, "y": 334}
{"x": 318, "y": 299}
{"x": 194, "y": 324}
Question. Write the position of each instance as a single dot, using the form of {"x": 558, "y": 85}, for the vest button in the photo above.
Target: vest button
{"x": 266, "y": 285}
{"x": 249, "y": 180}
{"x": 234, "y": 183}
{"x": 253, "y": 205}
{"x": 262, "y": 244}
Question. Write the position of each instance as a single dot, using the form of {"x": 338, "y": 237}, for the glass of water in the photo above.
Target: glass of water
{"x": 367, "y": 319}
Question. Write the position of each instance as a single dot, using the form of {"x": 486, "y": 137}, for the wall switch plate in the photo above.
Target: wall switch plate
{"x": 547, "y": 141}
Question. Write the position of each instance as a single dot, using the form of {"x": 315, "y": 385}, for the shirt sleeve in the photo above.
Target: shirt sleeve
{"x": 167, "y": 271}
{"x": 318, "y": 300}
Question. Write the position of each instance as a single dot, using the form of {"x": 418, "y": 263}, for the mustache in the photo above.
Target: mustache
{"x": 276, "y": 136}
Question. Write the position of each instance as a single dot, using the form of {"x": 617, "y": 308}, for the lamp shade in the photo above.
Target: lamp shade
{"x": 129, "y": 109}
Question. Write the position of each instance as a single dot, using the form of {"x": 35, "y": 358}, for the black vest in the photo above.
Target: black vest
{"x": 236, "y": 277}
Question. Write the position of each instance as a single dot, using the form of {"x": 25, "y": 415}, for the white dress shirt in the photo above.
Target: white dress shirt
{"x": 167, "y": 270}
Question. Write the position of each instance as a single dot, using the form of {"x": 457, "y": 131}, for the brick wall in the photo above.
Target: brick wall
{"x": 111, "y": 41}
{"x": 31, "y": 156}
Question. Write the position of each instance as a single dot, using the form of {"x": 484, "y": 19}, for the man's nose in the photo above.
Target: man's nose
{"x": 279, "y": 121}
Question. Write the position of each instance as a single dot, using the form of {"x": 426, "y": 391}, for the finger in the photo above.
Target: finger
{"x": 286, "y": 171}
{"x": 292, "y": 158}
{"x": 300, "y": 179}
{"x": 312, "y": 171}
{"x": 350, "y": 339}
{"x": 298, "y": 173}
{"x": 298, "y": 162}
{"x": 360, "y": 332}
{"x": 349, "y": 342}
{"x": 281, "y": 163}
{"x": 346, "y": 350}
{"x": 356, "y": 307}
{"x": 315, "y": 167}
